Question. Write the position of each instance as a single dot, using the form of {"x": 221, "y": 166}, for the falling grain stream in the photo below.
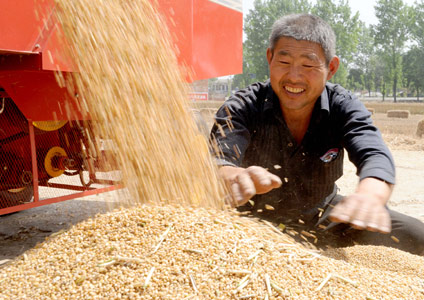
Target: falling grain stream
{"x": 174, "y": 240}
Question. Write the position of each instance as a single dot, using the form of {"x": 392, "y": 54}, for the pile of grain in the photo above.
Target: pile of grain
{"x": 130, "y": 84}
{"x": 378, "y": 257}
{"x": 166, "y": 252}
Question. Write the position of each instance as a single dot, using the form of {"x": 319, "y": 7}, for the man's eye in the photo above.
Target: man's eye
{"x": 308, "y": 66}
{"x": 284, "y": 62}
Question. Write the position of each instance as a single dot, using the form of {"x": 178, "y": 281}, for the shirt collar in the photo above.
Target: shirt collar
{"x": 325, "y": 103}
{"x": 271, "y": 100}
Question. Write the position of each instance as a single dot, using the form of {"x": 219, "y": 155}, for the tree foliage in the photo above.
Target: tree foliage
{"x": 414, "y": 69}
{"x": 257, "y": 28}
{"x": 259, "y": 21}
{"x": 346, "y": 27}
{"x": 417, "y": 23}
{"x": 364, "y": 59}
{"x": 377, "y": 58}
{"x": 391, "y": 34}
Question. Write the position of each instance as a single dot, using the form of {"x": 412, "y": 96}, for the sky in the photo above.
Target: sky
{"x": 365, "y": 8}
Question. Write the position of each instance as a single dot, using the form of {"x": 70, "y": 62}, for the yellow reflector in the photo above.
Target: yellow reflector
{"x": 49, "y": 125}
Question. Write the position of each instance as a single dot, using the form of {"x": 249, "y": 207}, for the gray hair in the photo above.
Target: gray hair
{"x": 305, "y": 27}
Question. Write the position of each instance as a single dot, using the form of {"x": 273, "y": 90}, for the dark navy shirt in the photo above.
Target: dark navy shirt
{"x": 250, "y": 130}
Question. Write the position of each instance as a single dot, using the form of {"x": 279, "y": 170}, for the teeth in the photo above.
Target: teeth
{"x": 294, "y": 90}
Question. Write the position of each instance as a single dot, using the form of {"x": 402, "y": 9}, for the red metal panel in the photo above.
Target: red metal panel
{"x": 19, "y": 27}
{"x": 208, "y": 36}
{"x": 178, "y": 17}
{"x": 217, "y": 40}
{"x": 54, "y": 54}
{"x": 29, "y": 26}
{"x": 38, "y": 95}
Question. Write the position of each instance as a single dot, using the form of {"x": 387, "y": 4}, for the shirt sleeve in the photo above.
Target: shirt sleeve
{"x": 230, "y": 135}
{"x": 363, "y": 141}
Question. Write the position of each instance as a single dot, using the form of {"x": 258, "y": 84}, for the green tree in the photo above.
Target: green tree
{"x": 381, "y": 73}
{"x": 417, "y": 23}
{"x": 347, "y": 29}
{"x": 391, "y": 34}
{"x": 244, "y": 79}
{"x": 373, "y": 70}
{"x": 257, "y": 28}
{"x": 413, "y": 65}
{"x": 355, "y": 79}
{"x": 365, "y": 59}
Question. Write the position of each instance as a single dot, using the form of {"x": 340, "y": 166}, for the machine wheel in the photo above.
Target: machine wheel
{"x": 16, "y": 196}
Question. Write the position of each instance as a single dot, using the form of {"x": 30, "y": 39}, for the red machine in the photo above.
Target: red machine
{"x": 44, "y": 155}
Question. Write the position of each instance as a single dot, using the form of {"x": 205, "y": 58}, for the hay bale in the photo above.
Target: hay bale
{"x": 420, "y": 128}
{"x": 404, "y": 114}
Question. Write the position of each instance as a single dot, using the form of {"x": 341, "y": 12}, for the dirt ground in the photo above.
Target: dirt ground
{"x": 408, "y": 195}
{"x": 23, "y": 230}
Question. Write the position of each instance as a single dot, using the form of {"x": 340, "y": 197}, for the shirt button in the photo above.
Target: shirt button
{"x": 290, "y": 144}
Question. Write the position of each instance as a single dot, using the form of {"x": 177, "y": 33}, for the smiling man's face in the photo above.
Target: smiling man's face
{"x": 298, "y": 73}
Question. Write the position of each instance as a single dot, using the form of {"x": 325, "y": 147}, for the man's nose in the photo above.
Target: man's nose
{"x": 295, "y": 72}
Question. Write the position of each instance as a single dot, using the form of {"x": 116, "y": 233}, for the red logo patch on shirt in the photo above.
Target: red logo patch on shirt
{"x": 330, "y": 155}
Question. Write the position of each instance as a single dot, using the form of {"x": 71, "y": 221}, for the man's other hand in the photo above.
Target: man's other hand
{"x": 365, "y": 209}
{"x": 244, "y": 183}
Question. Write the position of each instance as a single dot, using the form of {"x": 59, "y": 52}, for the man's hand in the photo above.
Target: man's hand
{"x": 365, "y": 209}
{"x": 245, "y": 183}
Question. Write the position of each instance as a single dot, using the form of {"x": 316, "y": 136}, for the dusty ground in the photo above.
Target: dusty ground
{"x": 408, "y": 195}
{"x": 408, "y": 153}
{"x": 23, "y": 230}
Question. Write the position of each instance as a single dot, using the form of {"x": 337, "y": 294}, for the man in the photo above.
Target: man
{"x": 282, "y": 142}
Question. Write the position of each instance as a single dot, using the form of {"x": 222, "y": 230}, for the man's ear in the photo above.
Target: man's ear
{"x": 333, "y": 66}
{"x": 269, "y": 54}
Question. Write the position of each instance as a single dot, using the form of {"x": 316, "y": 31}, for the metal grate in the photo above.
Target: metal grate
{"x": 15, "y": 163}
{"x": 49, "y": 159}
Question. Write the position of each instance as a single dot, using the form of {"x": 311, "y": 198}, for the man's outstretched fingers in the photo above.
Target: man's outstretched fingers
{"x": 373, "y": 223}
{"x": 275, "y": 181}
{"x": 379, "y": 221}
{"x": 259, "y": 175}
{"x": 264, "y": 181}
{"x": 339, "y": 213}
{"x": 385, "y": 222}
{"x": 236, "y": 194}
{"x": 361, "y": 215}
{"x": 246, "y": 185}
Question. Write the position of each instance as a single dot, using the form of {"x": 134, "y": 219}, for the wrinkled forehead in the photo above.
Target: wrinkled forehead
{"x": 288, "y": 46}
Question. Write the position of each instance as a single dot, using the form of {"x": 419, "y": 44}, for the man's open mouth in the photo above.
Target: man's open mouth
{"x": 293, "y": 90}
